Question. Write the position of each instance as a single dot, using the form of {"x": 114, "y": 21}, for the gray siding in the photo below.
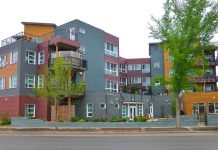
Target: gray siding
{"x": 156, "y": 54}
{"x": 25, "y": 68}
{"x": 93, "y": 40}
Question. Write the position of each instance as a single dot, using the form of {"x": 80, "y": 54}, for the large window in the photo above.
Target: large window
{"x": 146, "y": 68}
{"x": 73, "y": 33}
{"x": 146, "y": 81}
{"x": 209, "y": 87}
{"x": 123, "y": 68}
{"x": 30, "y": 110}
{"x": 2, "y": 60}
{"x": 30, "y": 57}
{"x": 89, "y": 110}
{"x": 29, "y": 81}
{"x": 134, "y": 67}
{"x": 140, "y": 108}
{"x": 198, "y": 108}
{"x": 13, "y": 81}
{"x": 123, "y": 81}
{"x": 156, "y": 65}
{"x": 41, "y": 57}
{"x": 40, "y": 81}
{"x": 213, "y": 108}
{"x": 13, "y": 57}
{"x": 111, "y": 69}
{"x": 135, "y": 80}
{"x": 111, "y": 49}
{"x": 2, "y": 83}
{"x": 111, "y": 86}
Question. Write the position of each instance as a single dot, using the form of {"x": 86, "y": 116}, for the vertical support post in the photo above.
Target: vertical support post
{"x": 69, "y": 98}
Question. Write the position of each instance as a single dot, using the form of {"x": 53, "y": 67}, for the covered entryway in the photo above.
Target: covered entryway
{"x": 132, "y": 109}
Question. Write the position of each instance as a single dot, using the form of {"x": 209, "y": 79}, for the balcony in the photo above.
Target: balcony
{"x": 59, "y": 36}
{"x": 208, "y": 79}
{"x": 73, "y": 58}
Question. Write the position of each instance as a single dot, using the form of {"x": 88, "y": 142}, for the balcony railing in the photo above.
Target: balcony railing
{"x": 59, "y": 32}
{"x": 74, "y": 54}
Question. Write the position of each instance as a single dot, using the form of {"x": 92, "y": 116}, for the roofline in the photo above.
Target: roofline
{"x": 39, "y": 23}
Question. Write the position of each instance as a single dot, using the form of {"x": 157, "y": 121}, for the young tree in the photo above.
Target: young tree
{"x": 58, "y": 84}
{"x": 186, "y": 29}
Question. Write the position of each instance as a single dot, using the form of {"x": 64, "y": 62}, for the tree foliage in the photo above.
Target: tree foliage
{"x": 56, "y": 83}
{"x": 186, "y": 29}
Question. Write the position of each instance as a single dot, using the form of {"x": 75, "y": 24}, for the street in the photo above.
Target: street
{"x": 110, "y": 142}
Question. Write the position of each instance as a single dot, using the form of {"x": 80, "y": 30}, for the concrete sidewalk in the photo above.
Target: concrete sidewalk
{"x": 105, "y": 131}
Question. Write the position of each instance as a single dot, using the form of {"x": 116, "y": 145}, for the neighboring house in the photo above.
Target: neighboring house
{"x": 202, "y": 100}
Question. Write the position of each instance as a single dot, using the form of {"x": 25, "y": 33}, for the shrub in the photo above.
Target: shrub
{"x": 118, "y": 119}
{"x": 74, "y": 119}
{"x": 60, "y": 120}
{"x": 141, "y": 118}
{"x": 96, "y": 120}
{"x": 82, "y": 120}
{"x": 103, "y": 119}
{"x": 5, "y": 120}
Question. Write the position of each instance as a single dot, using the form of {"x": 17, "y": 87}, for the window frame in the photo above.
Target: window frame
{"x": 104, "y": 106}
{"x": 27, "y": 85}
{"x": 111, "y": 88}
{"x": 27, "y": 57}
{"x": 12, "y": 60}
{"x": 2, "y": 83}
{"x": 40, "y": 62}
{"x": 13, "y": 84}
{"x": 34, "y": 110}
{"x": 2, "y": 63}
{"x": 41, "y": 81}
{"x": 88, "y": 112}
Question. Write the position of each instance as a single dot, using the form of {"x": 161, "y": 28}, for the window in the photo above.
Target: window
{"x": 209, "y": 87}
{"x": 146, "y": 68}
{"x": 156, "y": 65}
{"x": 123, "y": 68}
{"x": 30, "y": 110}
{"x": 140, "y": 107}
{"x": 73, "y": 33}
{"x": 89, "y": 110}
{"x": 40, "y": 81}
{"x": 29, "y": 81}
{"x": 102, "y": 105}
{"x": 135, "y": 80}
{"x": 116, "y": 106}
{"x": 2, "y": 83}
{"x": 111, "y": 86}
{"x": 82, "y": 30}
{"x": 170, "y": 58}
{"x": 82, "y": 49}
{"x": 146, "y": 81}
{"x": 209, "y": 71}
{"x": 124, "y": 111}
{"x": 171, "y": 72}
{"x": 123, "y": 81}
{"x": 213, "y": 108}
{"x": 198, "y": 108}
{"x": 41, "y": 57}
{"x": 13, "y": 81}
{"x": 30, "y": 57}
{"x": 111, "y": 49}
{"x": 157, "y": 83}
{"x": 13, "y": 57}
{"x": 111, "y": 69}
{"x": 134, "y": 67}
{"x": 2, "y": 60}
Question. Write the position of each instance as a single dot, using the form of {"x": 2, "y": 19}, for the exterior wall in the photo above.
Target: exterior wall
{"x": 161, "y": 104}
{"x": 198, "y": 97}
{"x": 167, "y": 65}
{"x": 9, "y": 105}
{"x": 93, "y": 40}
{"x": 156, "y": 54}
{"x": 25, "y": 68}
{"x": 38, "y": 30}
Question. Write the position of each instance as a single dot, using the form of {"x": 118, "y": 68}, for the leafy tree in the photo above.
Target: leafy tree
{"x": 58, "y": 84}
{"x": 186, "y": 29}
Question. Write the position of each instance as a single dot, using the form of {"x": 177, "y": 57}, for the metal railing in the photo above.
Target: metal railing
{"x": 58, "y": 32}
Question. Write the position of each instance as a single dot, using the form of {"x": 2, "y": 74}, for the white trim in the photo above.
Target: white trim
{"x": 87, "y": 110}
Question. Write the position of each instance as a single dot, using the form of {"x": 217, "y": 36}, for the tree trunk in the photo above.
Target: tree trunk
{"x": 178, "y": 123}
{"x": 56, "y": 110}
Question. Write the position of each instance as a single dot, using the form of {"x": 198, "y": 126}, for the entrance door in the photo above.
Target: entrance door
{"x": 132, "y": 112}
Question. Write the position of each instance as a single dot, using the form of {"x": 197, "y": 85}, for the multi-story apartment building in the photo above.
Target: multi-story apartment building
{"x": 135, "y": 73}
{"x": 199, "y": 100}
{"x": 94, "y": 55}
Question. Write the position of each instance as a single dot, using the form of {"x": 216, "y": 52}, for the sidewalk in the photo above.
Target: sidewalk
{"x": 105, "y": 131}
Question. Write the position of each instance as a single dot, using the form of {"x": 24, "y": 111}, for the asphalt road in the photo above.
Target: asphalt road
{"x": 110, "y": 142}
